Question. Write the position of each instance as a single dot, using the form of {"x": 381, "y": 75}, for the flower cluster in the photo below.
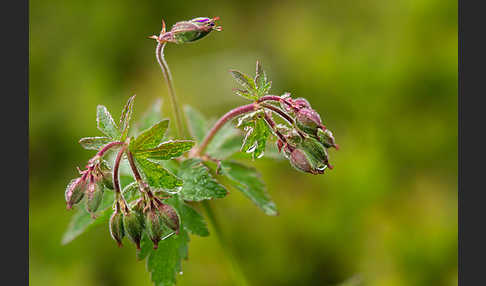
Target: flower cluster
{"x": 148, "y": 214}
{"x": 91, "y": 185}
{"x": 305, "y": 144}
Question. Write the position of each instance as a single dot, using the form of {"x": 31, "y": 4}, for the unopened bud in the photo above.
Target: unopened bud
{"x": 94, "y": 196}
{"x": 190, "y": 31}
{"x": 326, "y": 138}
{"x": 106, "y": 175}
{"x": 116, "y": 227}
{"x": 170, "y": 217}
{"x": 155, "y": 226}
{"x": 308, "y": 120}
{"x": 301, "y": 103}
{"x": 134, "y": 225}
{"x": 74, "y": 192}
{"x": 310, "y": 157}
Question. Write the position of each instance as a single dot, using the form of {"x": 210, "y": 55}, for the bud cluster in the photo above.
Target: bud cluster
{"x": 305, "y": 144}
{"x": 91, "y": 185}
{"x": 148, "y": 214}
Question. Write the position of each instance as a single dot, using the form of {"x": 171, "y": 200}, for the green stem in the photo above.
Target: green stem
{"x": 237, "y": 272}
{"x": 159, "y": 53}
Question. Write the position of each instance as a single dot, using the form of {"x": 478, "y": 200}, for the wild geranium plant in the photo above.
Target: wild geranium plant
{"x": 145, "y": 182}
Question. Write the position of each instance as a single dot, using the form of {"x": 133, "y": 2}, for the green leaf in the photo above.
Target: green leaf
{"x": 125, "y": 118}
{"x": 151, "y": 137}
{"x": 94, "y": 143}
{"x": 193, "y": 220}
{"x": 197, "y": 124}
{"x": 151, "y": 116}
{"x": 245, "y": 94}
{"x": 166, "y": 150}
{"x": 260, "y": 77}
{"x": 130, "y": 192}
{"x": 156, "y": 176}
{"x": 198, "y": 183}
{"x": 257, "y": 133}
{"x": 247, "y": 180}
{"x": 106, "y": 124}
{"x": 165, "y": 263}
{"x": 82, "y": 221}
{"x": 243, "y": 80}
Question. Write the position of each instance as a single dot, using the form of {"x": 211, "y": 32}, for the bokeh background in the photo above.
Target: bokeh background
{"x": 383, "y": 75}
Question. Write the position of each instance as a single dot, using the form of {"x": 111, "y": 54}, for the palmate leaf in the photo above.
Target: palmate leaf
{"x": 94, "y": 143}
{"x": 106, "y": 124}
{"x": 125, "y": 117}
{"x": 248, "y": 181}
{"x": 198, "y": 183}
{"x": 166, "y": 150}
{"x": 157, "y": 176}
{"x": 150, "y": 138}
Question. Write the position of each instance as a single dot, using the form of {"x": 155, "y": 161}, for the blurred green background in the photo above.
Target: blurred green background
{"x": 383, "y": 75}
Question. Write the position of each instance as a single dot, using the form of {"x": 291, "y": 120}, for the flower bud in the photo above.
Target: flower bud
{"x": 134, "y": 225}
{"x": 301, "y": 103}
{"x": 116, "y": 227}
{"x": 74, "y": 192}
{"x": 171, "y": 218}
{"x": 310, "y": 156}
{"x": 326, "y": 138}
{"x": 155, "y": 226}
{"x": 308, "y": 120}
{"x": 94, "y": 196}
{"x": 106, "y": 175}
{"x": 190, "y": 31}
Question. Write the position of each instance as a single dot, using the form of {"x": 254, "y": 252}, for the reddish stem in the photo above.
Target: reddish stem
{"x": 137, "y": 175}
{"x": 279, "y": 112}
{"x": 108, "y": 147}
{"x": 228, "y": 116}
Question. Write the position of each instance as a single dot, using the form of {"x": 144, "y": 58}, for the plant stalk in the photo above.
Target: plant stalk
{"x": 159, "y": 53}
{"x": 228, "y": 116}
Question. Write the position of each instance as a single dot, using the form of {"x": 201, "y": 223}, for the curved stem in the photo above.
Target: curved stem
{"x": 159, "y": 53}
{"x": 108, "y": 147}
{"x": 279, "y": 112}
{"x": 143, "y": 188}
{"x": 116, "y": 177}
{"x": 228, "y": 116}
{"x": 237, "y": 272}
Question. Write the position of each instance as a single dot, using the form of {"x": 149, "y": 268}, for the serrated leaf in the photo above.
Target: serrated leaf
{"x": 197, "y": 124}
{"x": 82, "y": 221}
{"x": 245, "y": 94}
{"x": 193, "y": 220}
{"x": 151, "y": 116}
{"x": 125, "y": 118}
{"x": 106, "y": 124}
{"x": 198, "y": 183}
{"x": 94, "y": 143}
{"x": 151, "y": 137}
{"x": 248, "y": 181}
{"x": 260, "y": 77}
{"x": 243, "y": 80}
{"x": 156, "y": 176}
{"x": 166, "y": 150}
{"x": 165, "y": 263}
{"x": 257, "y": 133}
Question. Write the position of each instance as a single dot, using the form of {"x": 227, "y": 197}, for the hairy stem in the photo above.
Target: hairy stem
{"x": 279, "y": 112}
{"x": 228, "y": 116}
{"x": 116, "y": 176}
{"x": 143, "y": 187}
{"x": 272, "y": 124}
{"x": 237, "y": 272}
{"x": 159, "y": 53}
{"x": 108, "y": 147}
